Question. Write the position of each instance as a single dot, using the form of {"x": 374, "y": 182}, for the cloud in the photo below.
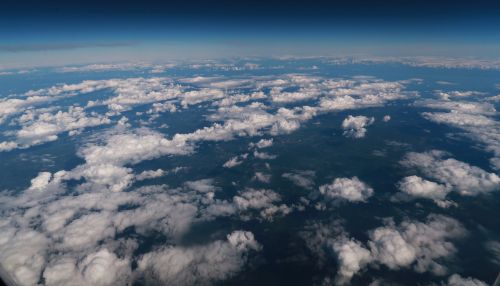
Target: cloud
{"x": 262, "y": 177}
{"x": 421, "y": 246}
{"x": 262, "y": 201}
{"x": 354, "y": 126}
{"x": 203, "y": 264}
{"x": 72, "y": 220}
{"x": 45, "y": 127}
{"x": 349, "y": 189}
{"x": 386, "y": 118}
{"x": 416, "y": 244}
{"x": 352, "y": 258}
{"x": 416, "y": 187}
{"x": 150, "y": 174}
{"x": 263, "y": 143}
{"x": 461, "y": 177}
{"x": 235, "y": 161}
{"x": 202, "y": 186}
{"x": 453, "y": 94}
{"x": 304, "y": 179}
{"x": 264, "y": 155}
{"x": 99, "y": 268}
{"x": 457, "y": 280}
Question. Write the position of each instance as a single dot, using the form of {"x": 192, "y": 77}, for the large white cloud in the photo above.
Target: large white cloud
{"x": 349, "y": 189}
{"x": 422, "y": 246}
{"x": 416, "y": 187}
{"x": 216, "y": 261}
{"x": 460, "y": 176}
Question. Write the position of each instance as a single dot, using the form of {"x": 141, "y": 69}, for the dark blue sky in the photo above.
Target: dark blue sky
{"x": 60, "y": 32}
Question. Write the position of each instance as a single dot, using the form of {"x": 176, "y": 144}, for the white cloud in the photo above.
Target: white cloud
{"x": 150, "y": 174}
{"x": 262, "y": 177}
{"x": 263, "y": 143}
{"x": 386, "y": 118}
{"x": 46, "y": 126}
{"x": 457, "y": 280}
{"x": 7, "y": 146}
{"x": 202, "y": 186}
{"x": 264, "y": 155}
{"x": 422, "y": 246}
{"x": 304, "y": 179}
{"x": 460, "y": 176}
{"x": 352, "y": 190}
{"x": 203, "y": 264}
{"x": 355, "y": 126}
{"x": 99, "y": 268}
{"x": 416, "y": 187}
{"x": 352, "y": 257}
{"x": 446, "y": 95}
{"x": 416, "y": 244}
{"x": 235, "y": 161}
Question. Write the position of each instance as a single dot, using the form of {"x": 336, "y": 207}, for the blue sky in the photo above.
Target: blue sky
{"x": 36, "y": 33}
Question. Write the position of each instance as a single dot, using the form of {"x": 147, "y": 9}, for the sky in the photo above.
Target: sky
{"x": 46, "y": 33}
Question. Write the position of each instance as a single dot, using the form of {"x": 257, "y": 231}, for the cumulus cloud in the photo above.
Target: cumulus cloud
{"x": 235, "y": 161}
{"x": 203, "y": 264}
{"x": 352, "y": 258}
{"x": 304, "y": 179}
{"x": 386, "y": 118}
{"x": 202, "y": 186}
{"x": 416, "y": 244}
{"x": 264, "y": 155}
{"x": 355, "y": 126}
{"x": 150, "y": 174}
{"x": 457, "y": 280}
{"x": 99, "y": 268}
{"x": 54, "y": 230}
{"x": 349, "y": 189}
{"x": 459, "y": 176}
{"x": 262, "y": 177}
{"x": 263, "y": 201}
{"x": 416, "y": 187}
{"x": 263, "y": 143}
{"x": 422, "y": 246}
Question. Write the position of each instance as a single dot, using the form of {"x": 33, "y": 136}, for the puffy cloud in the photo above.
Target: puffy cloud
{"x": 235, "y": 161}
{"x": 99, "y": 268}
{"x": 459, "y": 106}
{"x": 421, "y": 246}
{"x": 44, "y": 127}
{"x": 22, "y": 253}
{"x": 457, "y": 280}
{"x": 416, "y": 187}
{"x": 475, "y": 118}
{"x": 494, "y": 248}
{"x": 416, "y": 244}
{"x": 304, "y": 179}
{"x": 248, "y": 201}
{"x": 352, "y": 190}
{"x": 202, "y": 186}
{"x": 355, "y": 126}
{"x": 458, "y": 119}
{"x": 263, "y": 143}
{"x": 460, "y": 176}
{"x": 262, "y": 177}
{"x": 386, "y": 118}
{"x": 446, "y": 95}
{"x": 7, "y": 146}
{"x": 203, "y": 264}
{"x": 352, "y": 258}
{"x": 264, "y": 155}
{"x": 150, "y": 174}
